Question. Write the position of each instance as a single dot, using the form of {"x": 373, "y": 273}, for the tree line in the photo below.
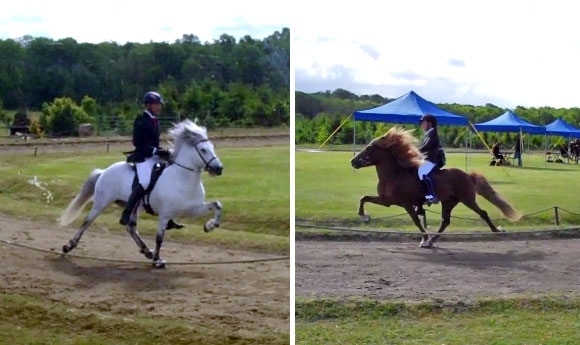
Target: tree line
{"x": 319, "y": 114}
{"x": 226, "y": 82}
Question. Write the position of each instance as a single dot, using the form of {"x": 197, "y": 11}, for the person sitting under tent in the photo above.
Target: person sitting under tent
{"x": 575, "y": 149}
{"x": 498, "y": 157}
{"x": 563, "y": 152}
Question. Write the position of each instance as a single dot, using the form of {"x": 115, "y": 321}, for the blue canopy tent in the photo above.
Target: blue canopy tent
{"x": 510, "y": 122}
{"x": 561, "y": 128}
{"x": 408, "y": 109}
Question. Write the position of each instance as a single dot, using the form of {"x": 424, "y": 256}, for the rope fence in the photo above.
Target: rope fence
{"x": 325, "y": 223}
{"x": 123, "y": 261}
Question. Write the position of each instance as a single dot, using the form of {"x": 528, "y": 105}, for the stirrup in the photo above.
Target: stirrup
{"x": 431, "y": 199}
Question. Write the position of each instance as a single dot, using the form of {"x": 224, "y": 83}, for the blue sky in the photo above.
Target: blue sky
{"x": 140, "y": 21}
{"x": 503, "y": 52}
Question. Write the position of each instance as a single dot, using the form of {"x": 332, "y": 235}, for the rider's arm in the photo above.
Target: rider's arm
{"x": 430, "y": 144}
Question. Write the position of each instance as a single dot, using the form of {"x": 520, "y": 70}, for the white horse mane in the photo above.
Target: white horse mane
{"x": 186, "y": 132}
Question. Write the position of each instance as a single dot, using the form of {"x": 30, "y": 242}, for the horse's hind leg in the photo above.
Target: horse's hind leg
{"x": 472, "y": 204}
{"x": 93, "y": 214}
{"x": 446, "y": 208}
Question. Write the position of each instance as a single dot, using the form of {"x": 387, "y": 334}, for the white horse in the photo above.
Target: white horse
{"x": 178, "y": 192}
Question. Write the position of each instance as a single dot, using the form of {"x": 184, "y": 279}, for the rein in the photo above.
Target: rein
{"x": 183, "y": 166}
{"x": 200, "y": 155}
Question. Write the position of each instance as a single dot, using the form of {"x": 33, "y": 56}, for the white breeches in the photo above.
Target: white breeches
{"x": 144, "y": 170}
{"x": 425, "y": 169}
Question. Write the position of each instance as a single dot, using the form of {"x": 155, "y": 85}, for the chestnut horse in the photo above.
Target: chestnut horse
{"x": 397, "y": 157}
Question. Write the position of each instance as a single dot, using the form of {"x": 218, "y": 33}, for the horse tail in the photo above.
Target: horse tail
{"x": 87, "y": 191}
{"x": 484, "y": 189}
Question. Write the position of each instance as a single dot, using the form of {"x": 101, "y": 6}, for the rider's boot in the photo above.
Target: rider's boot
{"x": 173, "y": 225}
{"x": 136, "y": 195}
{"x": 430, "y": 196}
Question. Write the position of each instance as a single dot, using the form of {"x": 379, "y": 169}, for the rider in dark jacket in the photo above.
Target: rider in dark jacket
{"x": 147, "y": 152}
{"x": 434, "y": 156}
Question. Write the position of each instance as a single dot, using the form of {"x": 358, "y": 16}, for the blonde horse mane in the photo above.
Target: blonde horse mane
{"x": 402, "y": 144}
{"x": 185, "y": 132}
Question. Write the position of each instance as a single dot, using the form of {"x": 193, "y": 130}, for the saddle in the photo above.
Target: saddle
{"x": 155, "y": 174}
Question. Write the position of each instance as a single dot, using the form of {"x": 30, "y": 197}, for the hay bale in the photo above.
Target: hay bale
{"x": 86, "y": 130}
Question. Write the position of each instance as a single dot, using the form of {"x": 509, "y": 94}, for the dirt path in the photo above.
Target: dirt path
{"x": 241, "y": 298}
{"x": 79, "y": 146}
{"x": 453, "y": 271}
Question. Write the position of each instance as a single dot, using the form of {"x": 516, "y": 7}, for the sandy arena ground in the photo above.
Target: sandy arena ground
{"x": 453, "y": 271}
{"x": 242, "y": 297}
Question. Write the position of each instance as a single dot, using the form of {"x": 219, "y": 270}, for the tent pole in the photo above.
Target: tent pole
{"x": 354, "y": 136}
{"x": 467, "y": 134}
{"x": 545, "y": 151}
{"x": 568, "y": 153}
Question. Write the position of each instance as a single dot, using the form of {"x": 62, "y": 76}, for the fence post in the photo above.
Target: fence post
{"x": 35, "y": 150}
{"x": 556, "y": 216}
{"x": 107, "y": 147}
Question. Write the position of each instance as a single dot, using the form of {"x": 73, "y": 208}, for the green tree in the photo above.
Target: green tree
{"x": 63, "y": 116}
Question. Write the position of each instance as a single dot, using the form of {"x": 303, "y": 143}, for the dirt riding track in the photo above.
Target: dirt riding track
{"x": 453, "y": 271}
{"x": 238, "y": 298}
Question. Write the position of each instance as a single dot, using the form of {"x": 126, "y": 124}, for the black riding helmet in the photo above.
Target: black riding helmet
{"x": 430, "y": 118}
{"x": 152, "y": 97}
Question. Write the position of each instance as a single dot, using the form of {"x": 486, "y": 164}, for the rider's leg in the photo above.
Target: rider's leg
{"x": 423, "y": 172}
{"x": 173, "y": 225}
{"x": 144, "y": 176}
{"x": 431, "y": 197}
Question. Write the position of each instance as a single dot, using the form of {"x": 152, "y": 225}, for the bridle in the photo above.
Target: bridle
{"x": 195, "y": 144}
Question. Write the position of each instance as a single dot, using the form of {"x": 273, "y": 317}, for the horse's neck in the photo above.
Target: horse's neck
{"x": 193, "y": 178}
{"x": 386, "y": 170}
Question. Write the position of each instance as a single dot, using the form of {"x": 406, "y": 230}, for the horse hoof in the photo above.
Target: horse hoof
{"x": 426, "y": 244}
{"x": 148, "y": 254}
{"x": 208, "y": 226}
{"x": 366, "y": 218}
{"x": 65, "y": 249}
{"x": 159, "y": 263}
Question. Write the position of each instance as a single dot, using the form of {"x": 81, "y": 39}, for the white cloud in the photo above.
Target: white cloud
{"x": 143, "y": 21}
{"x": 519, "y": 52}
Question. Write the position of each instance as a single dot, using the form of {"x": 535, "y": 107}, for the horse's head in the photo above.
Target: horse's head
{"x": 396, "y": 148}
{"x": 193, "y": 149}
{"x": 371, "y": 155}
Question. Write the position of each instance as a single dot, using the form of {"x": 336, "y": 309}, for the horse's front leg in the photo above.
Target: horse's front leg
{"x": 132, "y": 230}
{"x": 202, "y": 209}
{"x": 425, "y": 243}
{"x": 157, "y": 261}
{"x": 377, "y": 200}
{"x": 421, "y": 212}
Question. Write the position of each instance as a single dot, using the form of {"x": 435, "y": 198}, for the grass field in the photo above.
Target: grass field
{"x": 43, "y": 322}
{"x": 499, "y": 322}
{"x": 254, "y": 191}
{"x": 328, "y": 188}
